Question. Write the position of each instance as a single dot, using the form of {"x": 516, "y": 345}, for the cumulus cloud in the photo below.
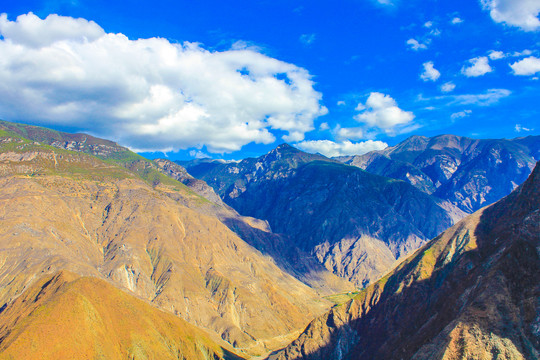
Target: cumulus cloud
{"x": 456, "y": 20}
{"x": 354, "y": 133}
{"x": 448, "y": 87}
{"x": 525, "y": 52}
{"x": 415, "y": 45}
{"x": 520, "y": 13}
{"x": 428, "y": 24}
{"x": 149, "y": 94}
{"x": 330, "y": 148}
{"x": 460, "y": 114}
{"x": 496, "y": 55}
{"x": 324, "y": 126}
{"x": 526, "y": 67}
{"x": 381, "y": 111}
{"x": 478, "y": 66}
{"x": 430, "y": 73}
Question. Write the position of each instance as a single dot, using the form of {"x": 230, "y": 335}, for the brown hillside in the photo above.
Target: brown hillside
{"x": 64, "y": 316}
{"x": 62, "y": 210}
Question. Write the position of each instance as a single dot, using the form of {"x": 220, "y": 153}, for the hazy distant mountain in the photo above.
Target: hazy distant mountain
{"x": 356, "y": 223}
{"x": 143, "y": 232}
{"x": 467, "y": 172}
{"x": 471, "y": 293}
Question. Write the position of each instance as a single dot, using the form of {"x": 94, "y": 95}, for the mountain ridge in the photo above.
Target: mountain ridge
{"x": 471, "y": 292}
{"x": 355, "y": 223}
{"x": 469, "y": 173}
{"x": 68, "y": 210}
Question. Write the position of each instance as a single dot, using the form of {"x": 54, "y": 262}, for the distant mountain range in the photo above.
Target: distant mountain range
{"x": 469, "y": 173}
{"x": 359, "y": 223}
{"x": 471, "y": 293}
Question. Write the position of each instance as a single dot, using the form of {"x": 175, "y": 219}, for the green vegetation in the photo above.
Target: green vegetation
{"x": 342, "y": 298}
{"x": 115, "y": 162}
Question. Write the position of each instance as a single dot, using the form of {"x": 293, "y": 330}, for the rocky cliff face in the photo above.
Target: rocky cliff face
{"x": 469, "y": 173}
{"x": 355, "y": 223}
{"x": 472, "y": 292}
{"x": 66, "y": 210}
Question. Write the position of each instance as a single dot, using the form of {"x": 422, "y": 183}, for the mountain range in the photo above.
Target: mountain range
{"x": 469, "y": 173}
{"x": 115, "y": 217}
{"x": 359, "y": 224}
{"x": 471, "y": 293}
{"x": 107, "y": 254}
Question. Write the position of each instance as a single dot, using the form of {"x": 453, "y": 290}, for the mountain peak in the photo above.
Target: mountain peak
{"x": 284, "y": 146}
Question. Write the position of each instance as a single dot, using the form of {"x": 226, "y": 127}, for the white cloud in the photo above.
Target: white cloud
{"x": 519, "y": 128}
{"x": 324, "y": 126}
{"x": 526, "y": 67}
{"x": 354, "y": 133}
{"x": 330, "y": 148}
{"x": 460, "y": 114}
{"x": 197, "y": 154}
{"x": 490, "y": 97}
{"x": 30, "y": 32}
{"x": 487, "y": 98}
{"x": 456, "y": 20}
{"x": 341, "y": 103}
{"x": 496, "y": 55}
{"x": 382, "y": 111}
{"x": 525, "y": 52}
{"x": 360, "y": 107}
{"x": 415, "y": 45}
{"x": 479, "y": 66}
{"x": 435, "y": 32}
{"x": 149, "y": 94}
{"x": 430, "y": 73}
{"x": 520, "y": 13}
{"x": 448, "y": 87}
{"x": 428, "y": 24}
{"x": 307, "y": 39}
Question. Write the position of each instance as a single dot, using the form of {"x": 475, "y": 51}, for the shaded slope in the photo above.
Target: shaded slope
{"x": 61, "y": 209}
{"x": 469, "y": 173}
{"x": 355, "y": 223}
{"x": 472, "y": 292}
{"x": 64, "y": 316}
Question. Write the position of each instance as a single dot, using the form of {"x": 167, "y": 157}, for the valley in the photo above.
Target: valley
{"x": 242, "y": 256}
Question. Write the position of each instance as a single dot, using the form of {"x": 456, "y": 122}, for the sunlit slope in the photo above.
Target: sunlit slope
{"x": 63, "y": 316}
{"x": 66, "y": 210}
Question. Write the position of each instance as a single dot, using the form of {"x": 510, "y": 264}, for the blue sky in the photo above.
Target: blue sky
{"x": 235, "y": 79}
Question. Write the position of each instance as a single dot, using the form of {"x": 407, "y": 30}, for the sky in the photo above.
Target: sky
{"x": 191, "y": 79}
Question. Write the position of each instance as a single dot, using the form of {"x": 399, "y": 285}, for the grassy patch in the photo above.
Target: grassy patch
{"x": 342, "y": 298}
